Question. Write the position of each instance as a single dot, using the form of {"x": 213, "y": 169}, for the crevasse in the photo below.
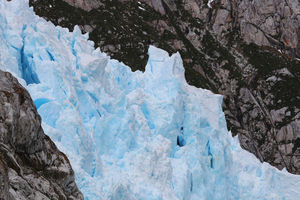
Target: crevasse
{"x": 131, "y": 135}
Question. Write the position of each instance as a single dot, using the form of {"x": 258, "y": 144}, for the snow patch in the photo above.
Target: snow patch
{"x": 209, "y": 3}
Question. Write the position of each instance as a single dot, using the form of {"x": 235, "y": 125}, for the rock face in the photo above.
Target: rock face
{"x": 84, "y": 4}
{"x": 245, "y": 50}
{"x": 266, "y": 22}
{"x": 31, "y": 167}
{"x": 273, "y": 23}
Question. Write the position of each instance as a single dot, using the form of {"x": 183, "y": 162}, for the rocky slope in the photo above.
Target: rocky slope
{"x": 31, "y": 167}
{"x": 259, "y": 81}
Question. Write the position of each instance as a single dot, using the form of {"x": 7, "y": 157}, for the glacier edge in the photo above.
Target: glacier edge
{"x": 131, "y": 135}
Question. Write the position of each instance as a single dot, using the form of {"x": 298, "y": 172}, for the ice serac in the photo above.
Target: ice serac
{"x": 258, "y": 84}
{"x": 131, "y": 135}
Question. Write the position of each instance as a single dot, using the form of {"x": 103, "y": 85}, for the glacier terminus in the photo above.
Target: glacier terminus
{"x": 131, "y": 135}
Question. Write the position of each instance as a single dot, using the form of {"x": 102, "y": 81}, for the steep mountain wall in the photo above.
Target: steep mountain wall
{"x": 31, "y": 167}
{"x": 259, "y": 83}
{"x": 266, "y": 22}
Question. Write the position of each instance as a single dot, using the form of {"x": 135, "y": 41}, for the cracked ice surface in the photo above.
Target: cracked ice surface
{"x": 131, "y": 135}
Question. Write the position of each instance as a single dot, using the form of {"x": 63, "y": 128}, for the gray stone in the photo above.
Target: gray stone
{"x": 84, "y": 4}
{"x": 222, "y": 21}
{"x": 31, "y": 166}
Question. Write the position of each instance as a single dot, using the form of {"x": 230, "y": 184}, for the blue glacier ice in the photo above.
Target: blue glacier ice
{"x": 131, "y": 135}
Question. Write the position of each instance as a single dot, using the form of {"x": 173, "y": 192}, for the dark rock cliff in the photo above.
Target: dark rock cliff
{"x": 31, "y": 166}
{"x": 245, "y": 50}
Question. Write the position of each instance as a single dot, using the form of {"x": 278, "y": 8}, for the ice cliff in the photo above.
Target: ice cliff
{"x": 131, "y": 135}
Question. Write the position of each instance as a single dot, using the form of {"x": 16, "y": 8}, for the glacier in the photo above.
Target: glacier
{"x": 131, "y": 135}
